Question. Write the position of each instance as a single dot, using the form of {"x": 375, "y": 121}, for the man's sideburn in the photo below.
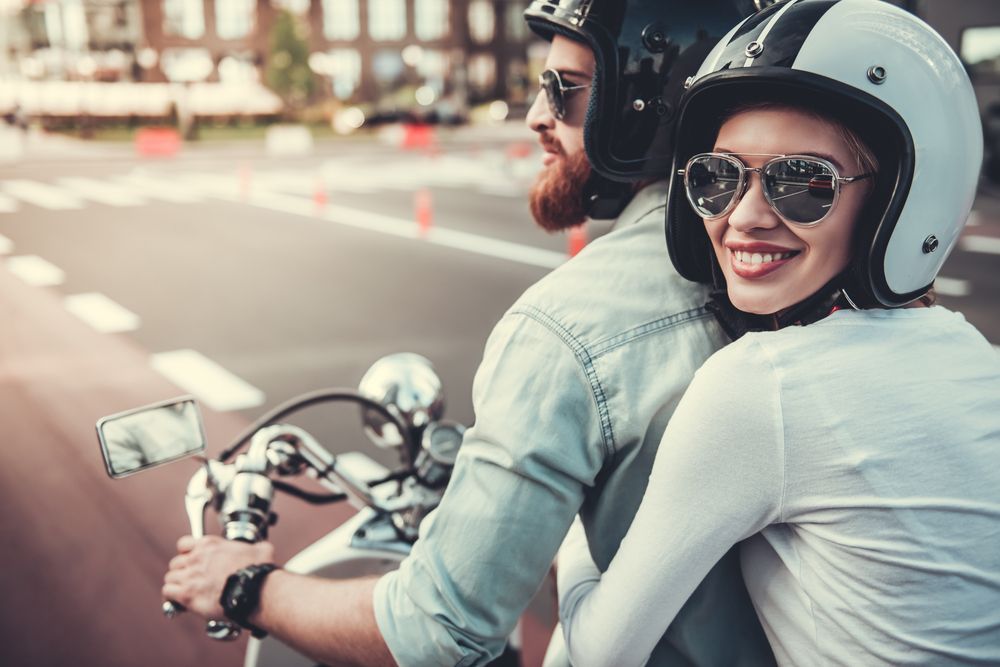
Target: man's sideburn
{"x": 556, "y": 198}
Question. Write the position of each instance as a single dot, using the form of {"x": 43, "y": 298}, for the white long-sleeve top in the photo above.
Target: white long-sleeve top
{"x": 859, "y": 457}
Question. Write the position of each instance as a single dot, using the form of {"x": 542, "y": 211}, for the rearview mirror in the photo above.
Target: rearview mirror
{"x": 150, "y": 436}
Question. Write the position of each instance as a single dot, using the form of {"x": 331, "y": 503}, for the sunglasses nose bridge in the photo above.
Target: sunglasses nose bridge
{"x": 753, "y": 208}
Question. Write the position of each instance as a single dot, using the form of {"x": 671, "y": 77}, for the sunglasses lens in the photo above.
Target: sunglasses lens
{"x": 801, "y": 190}
{"x": 712, "y": 182}
{"x": 549, "y": 81}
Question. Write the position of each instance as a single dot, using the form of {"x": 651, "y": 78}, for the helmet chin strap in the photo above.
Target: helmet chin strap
{"x": 814, "y": 308}
{"x": 604, "y": 199}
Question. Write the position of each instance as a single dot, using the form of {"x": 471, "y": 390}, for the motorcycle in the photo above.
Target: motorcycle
{"x": 402, "y": 406}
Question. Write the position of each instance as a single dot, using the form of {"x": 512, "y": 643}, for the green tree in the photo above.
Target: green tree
{"x": 288, "y": 73}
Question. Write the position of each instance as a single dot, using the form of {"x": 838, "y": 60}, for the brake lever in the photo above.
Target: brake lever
{"x": 201, "y": 492}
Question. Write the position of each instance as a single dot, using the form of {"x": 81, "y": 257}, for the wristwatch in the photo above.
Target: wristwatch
{"x": 241, "y": 595}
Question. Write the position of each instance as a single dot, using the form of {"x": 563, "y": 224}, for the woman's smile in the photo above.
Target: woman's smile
{"x": 756, "y": 260}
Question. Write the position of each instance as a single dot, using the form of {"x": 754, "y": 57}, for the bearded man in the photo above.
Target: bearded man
{"x": 576, "y": 385}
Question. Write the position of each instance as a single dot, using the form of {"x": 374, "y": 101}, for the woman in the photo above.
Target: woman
{"x": 829, "y": 154}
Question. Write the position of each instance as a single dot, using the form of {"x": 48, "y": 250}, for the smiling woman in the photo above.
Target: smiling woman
{"x": 817, "y": 214}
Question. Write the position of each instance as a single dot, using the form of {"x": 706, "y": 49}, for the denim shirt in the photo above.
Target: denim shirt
{"x": 576, "y": 385}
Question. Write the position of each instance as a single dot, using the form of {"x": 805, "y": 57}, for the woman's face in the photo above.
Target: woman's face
{"x": 803, "y": 259}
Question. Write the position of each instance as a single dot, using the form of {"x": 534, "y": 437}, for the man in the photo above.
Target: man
{"x": 576, "y": 385}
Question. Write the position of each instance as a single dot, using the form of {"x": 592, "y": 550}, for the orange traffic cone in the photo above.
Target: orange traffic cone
{"x": 577, "y": 239}
{"x": 423, "y": 205}
{"x": 319, "y": 194}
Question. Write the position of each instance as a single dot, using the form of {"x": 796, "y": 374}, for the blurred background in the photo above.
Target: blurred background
{"x": 245, "y": 200}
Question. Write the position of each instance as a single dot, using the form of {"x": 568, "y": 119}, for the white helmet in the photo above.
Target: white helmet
{"x": 887, "y": 76}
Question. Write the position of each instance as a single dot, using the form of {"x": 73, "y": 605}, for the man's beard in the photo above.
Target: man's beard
{"x": 556, "y": 199}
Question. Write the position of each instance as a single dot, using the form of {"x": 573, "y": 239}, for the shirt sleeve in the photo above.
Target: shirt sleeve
{"x": 517, "y": 484}
{"x": 717, "y": 479}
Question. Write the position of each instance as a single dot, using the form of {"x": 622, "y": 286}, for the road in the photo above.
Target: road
{"x": 244, "y": 279}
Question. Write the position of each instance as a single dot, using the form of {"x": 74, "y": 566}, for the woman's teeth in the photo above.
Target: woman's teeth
{"x": 760, "y": 258}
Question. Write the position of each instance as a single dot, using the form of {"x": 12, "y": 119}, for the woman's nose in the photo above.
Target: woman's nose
{"x": 539, "y": 117}
{"x": 752, "y": 210}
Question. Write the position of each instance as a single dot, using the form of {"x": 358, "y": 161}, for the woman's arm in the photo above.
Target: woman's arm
{"x": 717, "y": 479}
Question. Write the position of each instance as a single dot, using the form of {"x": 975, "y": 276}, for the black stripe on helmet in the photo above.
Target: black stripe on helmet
{"x": 779, "y": 31}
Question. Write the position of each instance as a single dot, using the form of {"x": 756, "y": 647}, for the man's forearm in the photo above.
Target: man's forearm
{"x": 332, "y": 621}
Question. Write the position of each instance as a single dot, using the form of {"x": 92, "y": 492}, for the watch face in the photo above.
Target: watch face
{"x": 241, "y": 593}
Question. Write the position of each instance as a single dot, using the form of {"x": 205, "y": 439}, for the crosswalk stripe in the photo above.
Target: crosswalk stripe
{"x": 43, "y": 195}
{"x": 974, "y": 243}
{"x": 6, "y": 246}
{"x": 102, "y": 192}
{"x": 210, "y": 382}
{"x": 101, "y": 313}
{"x": 34, "y": 270}
{"x": 160, "y": 189}
{"x": 385, "y": 224}
{"x": 952, "y": 286}
{"x": 7, "y": 204}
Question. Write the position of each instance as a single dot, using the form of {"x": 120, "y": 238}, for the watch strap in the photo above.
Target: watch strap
{"x": 241, "y": 595}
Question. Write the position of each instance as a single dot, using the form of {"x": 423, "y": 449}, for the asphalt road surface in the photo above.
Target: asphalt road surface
{"x": 244, "y": 279}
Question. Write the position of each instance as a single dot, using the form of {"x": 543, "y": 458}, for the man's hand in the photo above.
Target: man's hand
{"x": 199, "y": 572}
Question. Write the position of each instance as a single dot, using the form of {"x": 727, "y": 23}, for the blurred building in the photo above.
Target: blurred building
{"x": 438, "y": 52}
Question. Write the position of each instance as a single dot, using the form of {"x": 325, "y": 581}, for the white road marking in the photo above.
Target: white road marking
{"x": 987, "y": 244}
{"x": 102, "y": 192}
{"x": 43, "y": 194}
{"x": 215, "y": 185}
{"x": 997, "y": 348}
{"x": 34, "y": 270}
{"x": 385, "y": 224}
{"x": 952, "y": 286}
{"x": 210, "y": 382}
{"x": 7, "y": 204}
{"x": 6, "y": 246}
{"x": 162, "y": 190}
{"x": 973, "y": 219}
{"x": 101, "y": 313}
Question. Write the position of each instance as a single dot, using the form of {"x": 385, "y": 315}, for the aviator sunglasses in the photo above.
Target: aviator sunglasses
{"x": 555, "y": 92}
{"x": 802, "y": 189}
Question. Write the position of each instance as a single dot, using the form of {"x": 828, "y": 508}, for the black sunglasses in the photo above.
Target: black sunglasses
{"x": 555, "y": 92}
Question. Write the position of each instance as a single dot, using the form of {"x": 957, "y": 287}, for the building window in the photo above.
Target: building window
{"x": 185, "y": 18}
{"x": 517, "y": 27}
{"x": 482, "y": 72}
{"x": 387, "y": 19}
{"x": 234, "y": 18}
{"x": 388, "y": 67}
{"x": 344, "y": 70}
{"x": 482, "y": 21}
{"x": 980, "y": 49}
{"x": 430, "y": 19}
{"x": 340, "y": 19}
{"x": 238, "y": 68}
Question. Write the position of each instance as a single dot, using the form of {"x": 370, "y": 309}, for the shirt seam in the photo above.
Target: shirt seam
{"x": 661, "y": 324}
{"x": 586, "y": 361}
{"x": 782, "y": 518}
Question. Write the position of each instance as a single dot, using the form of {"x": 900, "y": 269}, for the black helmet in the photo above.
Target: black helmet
{"x": 888, "y": 77}
{"x": 644, "y": 50}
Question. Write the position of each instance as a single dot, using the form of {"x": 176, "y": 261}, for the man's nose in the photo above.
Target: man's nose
{"x": 752, "y": 210}
{"x": 539, "y": 117}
